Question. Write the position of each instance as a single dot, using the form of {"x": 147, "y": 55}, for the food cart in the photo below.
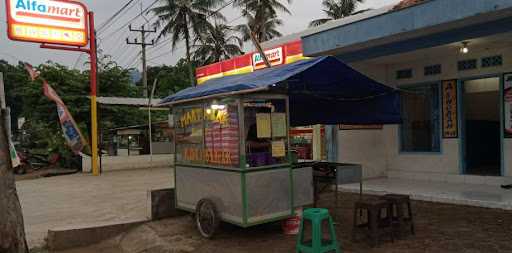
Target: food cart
{"x": 233, "y": 161}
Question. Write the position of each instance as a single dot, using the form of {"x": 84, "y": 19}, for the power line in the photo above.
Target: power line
{"x": 77, "y": 60}
{"x": 160, "y": 44}
{"x": 102, "y": 26}
{"x": 131, "y": 20}
{"x": 135, "y": 60}
{"x": 108, "y": 21}
{"x": 143, "y": 45}
{"x": 127, "y": 56}
{"x": 207, "y": 16}
{"x": 179, "y": 48}
{"x": 131, "y": 61}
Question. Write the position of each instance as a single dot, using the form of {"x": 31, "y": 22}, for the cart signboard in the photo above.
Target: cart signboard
{"x": 47, "y": 21}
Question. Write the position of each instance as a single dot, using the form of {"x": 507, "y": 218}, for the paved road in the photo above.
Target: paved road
{"x": 83, "y": 200}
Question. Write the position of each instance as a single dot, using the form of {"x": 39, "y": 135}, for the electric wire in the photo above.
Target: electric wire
{"x": 110, "y": 20}
{"x": 131, "y": 20}
{"x": 162, "y": 43}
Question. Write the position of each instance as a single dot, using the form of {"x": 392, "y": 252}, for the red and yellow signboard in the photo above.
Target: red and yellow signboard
{"x": 47, "y": 21}
{"x": 284, "y": 54}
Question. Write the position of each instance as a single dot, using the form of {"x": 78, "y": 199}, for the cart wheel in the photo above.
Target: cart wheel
{"x": 207, "y": 218}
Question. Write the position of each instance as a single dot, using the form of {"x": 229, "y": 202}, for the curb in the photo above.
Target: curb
{"x": 72, "y": 237}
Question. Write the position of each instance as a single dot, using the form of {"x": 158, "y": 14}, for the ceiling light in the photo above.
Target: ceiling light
{"x": 464, "y": 48}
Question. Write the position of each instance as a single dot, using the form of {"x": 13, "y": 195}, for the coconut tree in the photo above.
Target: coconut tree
{"x": 263, "y": 24}
{"x": 185, "y": 20}
{"x": 273, "y": 6}
{"x": 219, "y": 43}
{"x": 336, "y": 9}
{"x": 262, "y": 18}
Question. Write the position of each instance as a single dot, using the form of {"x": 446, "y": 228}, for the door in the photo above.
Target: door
{"x": 481, "y": 125}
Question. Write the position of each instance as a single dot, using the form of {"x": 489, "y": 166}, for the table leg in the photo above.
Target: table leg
{"x": 336, "y": 208}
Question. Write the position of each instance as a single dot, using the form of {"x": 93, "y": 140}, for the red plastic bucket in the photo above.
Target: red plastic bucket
{"x": 291, "y": 225}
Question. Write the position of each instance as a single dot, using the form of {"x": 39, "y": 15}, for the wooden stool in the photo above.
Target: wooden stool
{"x": 400, "y": 206}
{"x": 375, "y": 224}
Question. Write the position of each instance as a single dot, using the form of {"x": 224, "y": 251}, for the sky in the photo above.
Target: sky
{"x": 112, "y": 38}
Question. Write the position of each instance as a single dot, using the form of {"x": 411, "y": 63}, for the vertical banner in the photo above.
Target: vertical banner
{"x": 450, "y": 110}
{"x": 70, "y": 129}
{"x": 507, "y": 104}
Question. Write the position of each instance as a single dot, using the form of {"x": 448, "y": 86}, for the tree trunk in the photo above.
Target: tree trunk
{"x": 12, "y": 231}
{"x": 191, "y": 74}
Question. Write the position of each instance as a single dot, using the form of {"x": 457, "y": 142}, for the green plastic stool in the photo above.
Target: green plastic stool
{"x": 317, "y": 245}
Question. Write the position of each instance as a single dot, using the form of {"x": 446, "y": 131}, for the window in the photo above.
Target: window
{"x": 420, "y": 130}
{"x": 208, "y": 134}
{"x": 492, "y": 61}
{"x": 404, "y": 74}
{"x": 189, "y": 135}
{"x": 221, "y": 130}
{"x": 266, "y": 132}
{"x": 467, "y": 64}
{"x": 433, "y": 70}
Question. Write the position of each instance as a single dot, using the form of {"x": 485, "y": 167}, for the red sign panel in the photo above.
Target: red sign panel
{"x": 47, "y": 21}
{"x": 284, "y": 54}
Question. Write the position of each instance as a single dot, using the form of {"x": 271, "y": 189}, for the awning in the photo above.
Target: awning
{"x": 322, "y": 90}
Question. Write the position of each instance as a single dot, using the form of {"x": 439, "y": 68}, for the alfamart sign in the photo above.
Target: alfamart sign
{"x": 274, "y": 56}
{"x": 283, "y": 54}
{"x": 47, "y": 21}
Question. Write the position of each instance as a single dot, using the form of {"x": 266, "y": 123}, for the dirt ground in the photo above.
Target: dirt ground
{"x": 82, "y": 200}
{"x": 439, "y": 228}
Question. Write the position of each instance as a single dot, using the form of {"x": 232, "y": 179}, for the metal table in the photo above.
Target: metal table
{"x": 329, "y": 174}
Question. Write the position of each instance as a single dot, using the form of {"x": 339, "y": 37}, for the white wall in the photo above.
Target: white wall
{"x": 113, "y": 163}
{"x": 507, "y": 147}
{"x": 363, "y": 147}
{"x": 378, "y": 151}
{"x": 445, "y": 162}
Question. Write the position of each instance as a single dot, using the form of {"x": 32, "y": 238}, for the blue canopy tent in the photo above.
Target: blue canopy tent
{"x": 322, "y": 90}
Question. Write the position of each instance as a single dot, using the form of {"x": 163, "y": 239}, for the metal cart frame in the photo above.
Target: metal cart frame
{"x": 243, "y": 196}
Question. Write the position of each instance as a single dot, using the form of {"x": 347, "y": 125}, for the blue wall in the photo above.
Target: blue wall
{"x": 432, "y": 13}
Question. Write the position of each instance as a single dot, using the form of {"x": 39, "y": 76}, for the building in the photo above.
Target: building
{"x": 452, "y": 59}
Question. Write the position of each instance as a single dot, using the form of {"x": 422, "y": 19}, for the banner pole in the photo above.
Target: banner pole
{"x": 94, "y": 116}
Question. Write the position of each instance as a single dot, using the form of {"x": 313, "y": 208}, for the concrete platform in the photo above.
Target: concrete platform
{"x": 82, "y": 200}
{"x": 481, "y": 195}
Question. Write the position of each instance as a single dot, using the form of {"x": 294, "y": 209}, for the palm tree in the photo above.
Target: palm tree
{"x": 336, "y": 9}
{"x": 185, "y": 20}
{"x": 218, "y": 44}
{"x": 270, "y": 5}
{"x": 262, "y": 18}
{"x": 262, "y": 24}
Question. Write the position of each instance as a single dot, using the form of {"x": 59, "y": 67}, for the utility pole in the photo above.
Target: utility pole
{"x": 143, "y": 44}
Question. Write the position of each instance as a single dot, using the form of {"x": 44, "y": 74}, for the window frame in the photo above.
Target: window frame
{"x": 438, "y": 136}
{"x": 251, "y": 97}
{"x": 203, "y": 104}
{"x": 242, "y": 154}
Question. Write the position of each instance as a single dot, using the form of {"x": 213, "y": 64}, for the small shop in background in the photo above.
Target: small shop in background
{"x": 133, "y": 140}
{"x": 302, "y": 142}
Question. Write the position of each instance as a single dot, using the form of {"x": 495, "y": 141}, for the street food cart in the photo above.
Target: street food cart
{"x": 233, "y": 160}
